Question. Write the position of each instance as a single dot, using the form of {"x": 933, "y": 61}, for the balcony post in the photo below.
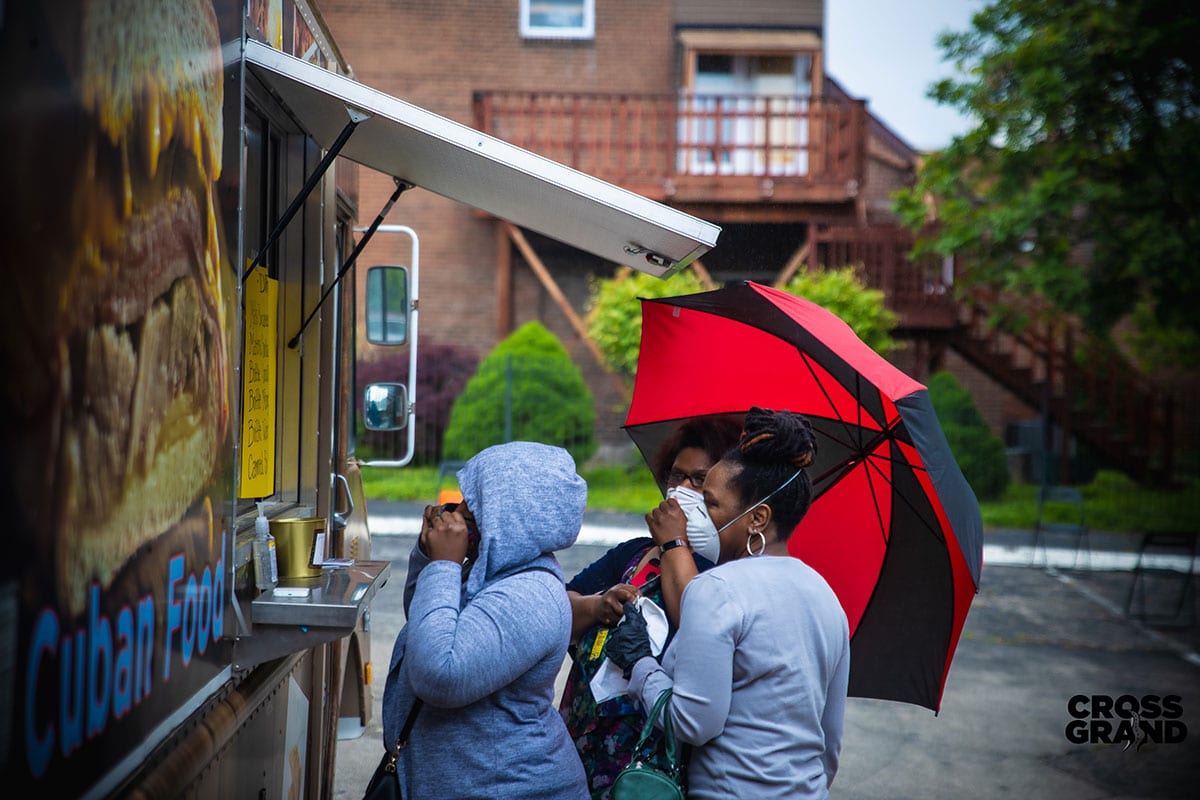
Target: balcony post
{"x": 860, "y": 141}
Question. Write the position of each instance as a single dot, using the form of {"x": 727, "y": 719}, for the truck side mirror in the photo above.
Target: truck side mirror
{"x": 387, "y": 305}
{"x": 385, "y": 406}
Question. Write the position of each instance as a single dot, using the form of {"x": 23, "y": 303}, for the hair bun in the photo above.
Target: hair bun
{"x": 777, "y": 437}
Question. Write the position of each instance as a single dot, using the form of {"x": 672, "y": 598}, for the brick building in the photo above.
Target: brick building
{"x": 721, "y": 110}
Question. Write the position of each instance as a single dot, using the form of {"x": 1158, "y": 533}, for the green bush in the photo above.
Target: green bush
{"x": 615, "y": 316}
{"x": 526, "y": 389}
{"x": 844, "y": 292}
{"x": 979, "y": 454}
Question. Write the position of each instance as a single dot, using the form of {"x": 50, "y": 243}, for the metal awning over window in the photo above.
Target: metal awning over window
{"x": 456, "y": 161}
{"x": 725, "y": 40}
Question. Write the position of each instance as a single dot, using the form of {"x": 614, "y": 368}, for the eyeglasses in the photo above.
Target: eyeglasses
{"x": 696, "y": 478}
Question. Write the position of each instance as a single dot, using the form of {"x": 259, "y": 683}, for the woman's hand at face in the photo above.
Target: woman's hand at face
{"x": 610, "y": 605}
{"x": 444, "y": 535}
{"x": 667, "y": 522}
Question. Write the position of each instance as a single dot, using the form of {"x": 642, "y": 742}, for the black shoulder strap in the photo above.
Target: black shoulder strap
{"x": 402, "y": 739}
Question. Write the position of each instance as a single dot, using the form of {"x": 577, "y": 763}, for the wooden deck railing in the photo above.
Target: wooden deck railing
{"x": 921, "y": 292}
{"x": 733, "y": 147}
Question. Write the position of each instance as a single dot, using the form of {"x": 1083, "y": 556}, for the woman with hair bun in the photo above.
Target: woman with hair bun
{"x": 761, "y": 661}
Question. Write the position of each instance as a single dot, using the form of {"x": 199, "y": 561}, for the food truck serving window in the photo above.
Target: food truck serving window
{"x": 279, "y": 384}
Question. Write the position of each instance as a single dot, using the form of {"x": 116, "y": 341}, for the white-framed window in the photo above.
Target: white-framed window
{"x": 558, "y": 19}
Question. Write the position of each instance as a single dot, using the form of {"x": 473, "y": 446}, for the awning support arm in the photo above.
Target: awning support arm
{"x": 401, "y": 187}
{"x": 310, "y": 184}
{"x": 552, "y": 288}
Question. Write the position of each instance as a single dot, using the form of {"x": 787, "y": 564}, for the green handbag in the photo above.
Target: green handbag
{"x": 642, "y": 780}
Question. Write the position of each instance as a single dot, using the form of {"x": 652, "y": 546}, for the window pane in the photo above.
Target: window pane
{"x": 556, "y": 14}
{"x": 558, "y": 19}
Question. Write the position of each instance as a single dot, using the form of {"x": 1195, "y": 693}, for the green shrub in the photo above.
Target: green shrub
{"x": 844, "y": 292}
{"x": 979, "y": 454}
{"x": 615, "y": 316}
{"x": 526, "y": 389}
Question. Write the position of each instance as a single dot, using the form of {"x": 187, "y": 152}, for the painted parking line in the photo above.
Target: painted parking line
{"x": 993, "y": 554}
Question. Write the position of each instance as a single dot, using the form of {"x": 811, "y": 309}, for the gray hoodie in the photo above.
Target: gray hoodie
{"x": 484, "y": 654}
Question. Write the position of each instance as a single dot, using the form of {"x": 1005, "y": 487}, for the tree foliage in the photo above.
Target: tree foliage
{"x": 1080, "y": 181}
{"x": 615, "y": 316}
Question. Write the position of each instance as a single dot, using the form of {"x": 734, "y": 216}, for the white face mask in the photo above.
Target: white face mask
{"x": 701, "y": 532}
{"x": 701, "y": 528}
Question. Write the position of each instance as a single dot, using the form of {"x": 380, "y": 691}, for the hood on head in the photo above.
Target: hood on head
{"x": 528, "y": 501}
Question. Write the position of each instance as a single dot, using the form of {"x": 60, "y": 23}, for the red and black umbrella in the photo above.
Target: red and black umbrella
{"x": 894, "y": 528}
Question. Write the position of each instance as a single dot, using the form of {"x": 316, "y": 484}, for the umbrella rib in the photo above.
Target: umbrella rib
{"x": 862, "y": 454}
{"x": 845, "y": 424}
{"x": 858, "y": 407}
{"x": 906, "y": 501}
{"x": 883, "y": 528}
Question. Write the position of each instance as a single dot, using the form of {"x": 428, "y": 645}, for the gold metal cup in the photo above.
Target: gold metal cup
{"x": 295, "y": 541}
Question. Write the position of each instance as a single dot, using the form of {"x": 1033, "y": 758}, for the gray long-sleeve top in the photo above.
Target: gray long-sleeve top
{"x": 759, "y": 668}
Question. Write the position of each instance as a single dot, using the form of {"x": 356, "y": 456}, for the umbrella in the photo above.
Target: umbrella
{"x": 894, "y": 528}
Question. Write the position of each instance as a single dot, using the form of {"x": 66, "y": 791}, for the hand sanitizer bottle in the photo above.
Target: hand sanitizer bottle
{"x": 266, "y": 571}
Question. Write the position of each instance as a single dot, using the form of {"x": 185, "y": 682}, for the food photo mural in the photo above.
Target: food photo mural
{"x": 115, "y": 416}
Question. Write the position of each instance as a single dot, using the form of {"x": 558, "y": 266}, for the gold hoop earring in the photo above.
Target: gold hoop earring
{"x": 762, "y": 542}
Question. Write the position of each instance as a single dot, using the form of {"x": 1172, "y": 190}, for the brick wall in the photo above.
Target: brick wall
{"x": 883, "y": 177}
{"x": 436, "y": 54}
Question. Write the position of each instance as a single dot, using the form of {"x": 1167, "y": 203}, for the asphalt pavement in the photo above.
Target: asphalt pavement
{"x": 1046, "y": 627}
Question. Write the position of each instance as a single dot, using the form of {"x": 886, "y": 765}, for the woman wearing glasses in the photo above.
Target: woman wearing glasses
{"x": 606, "y": 732}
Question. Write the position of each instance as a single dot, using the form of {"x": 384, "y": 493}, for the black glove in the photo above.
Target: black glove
{"x": 630, "y": 641}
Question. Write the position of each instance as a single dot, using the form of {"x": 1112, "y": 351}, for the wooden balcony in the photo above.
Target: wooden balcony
{"x": 692, "y": 148}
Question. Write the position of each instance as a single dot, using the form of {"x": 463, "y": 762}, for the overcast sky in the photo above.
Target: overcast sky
{"x": 886, "y": 52}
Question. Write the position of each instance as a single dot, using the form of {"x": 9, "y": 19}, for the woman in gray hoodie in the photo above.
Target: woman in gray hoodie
{"x": 488, "y": 627}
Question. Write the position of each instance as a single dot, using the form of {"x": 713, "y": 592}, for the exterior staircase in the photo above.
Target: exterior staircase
{"x": 1086, "y": 387}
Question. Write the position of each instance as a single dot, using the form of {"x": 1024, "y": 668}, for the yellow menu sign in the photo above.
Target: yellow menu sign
{"x": 257, "y": 477}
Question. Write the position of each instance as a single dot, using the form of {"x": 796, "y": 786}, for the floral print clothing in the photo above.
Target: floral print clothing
{"x": 606, "y": 733}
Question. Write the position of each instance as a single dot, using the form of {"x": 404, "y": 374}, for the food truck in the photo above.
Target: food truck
{"x": 179, "y": 327}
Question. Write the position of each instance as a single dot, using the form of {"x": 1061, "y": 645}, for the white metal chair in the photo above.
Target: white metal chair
{"x": 1061, "y": 514}
{"x": 1150, "y": 572}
